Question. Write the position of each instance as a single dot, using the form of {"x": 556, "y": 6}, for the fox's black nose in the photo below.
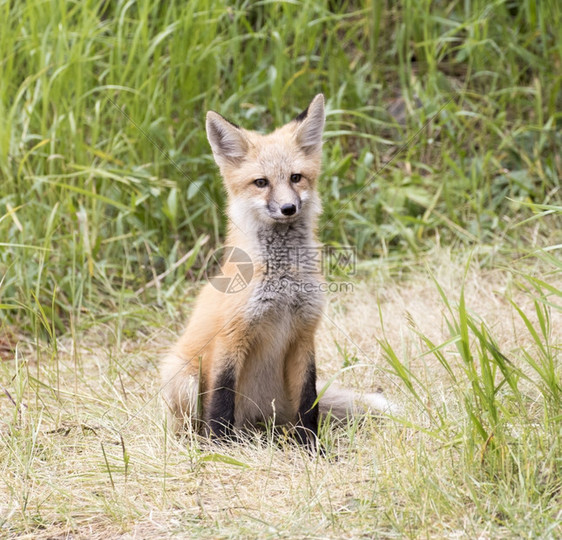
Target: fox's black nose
{"x": 288, "y": 209}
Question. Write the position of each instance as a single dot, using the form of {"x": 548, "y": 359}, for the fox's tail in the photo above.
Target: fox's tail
{"x": 344, "y": 404}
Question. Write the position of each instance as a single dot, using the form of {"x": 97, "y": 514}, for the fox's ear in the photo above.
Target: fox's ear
{"x": 226, "y": 139}
{"x": 311, "y": 125}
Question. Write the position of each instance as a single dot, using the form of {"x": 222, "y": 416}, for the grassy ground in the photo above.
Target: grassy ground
{"x": 86, "y": 450}
{"x": 441, "y": 169}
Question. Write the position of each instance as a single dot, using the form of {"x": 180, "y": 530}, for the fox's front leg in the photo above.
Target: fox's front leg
{"x": 307, "y": 416}
{"x": 219, "y": 416}
{"x": 301, "y": 376}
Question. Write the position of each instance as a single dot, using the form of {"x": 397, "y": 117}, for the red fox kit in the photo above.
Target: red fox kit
{"x": 248, "y": 355}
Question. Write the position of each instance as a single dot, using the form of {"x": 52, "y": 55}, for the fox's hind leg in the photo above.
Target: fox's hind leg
{"x": 180, "y": 391}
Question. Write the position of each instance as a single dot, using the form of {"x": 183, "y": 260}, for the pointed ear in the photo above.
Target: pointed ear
{"x": 226, "y": 139}
{"x": 310, "y": 126}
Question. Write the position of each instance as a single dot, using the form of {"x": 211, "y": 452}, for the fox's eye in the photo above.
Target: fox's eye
{"x": 261, "y": 182}
{"x": 296, "y": 178}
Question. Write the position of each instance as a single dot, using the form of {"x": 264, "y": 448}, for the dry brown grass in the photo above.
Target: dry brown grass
{"x": 86, "y": 453}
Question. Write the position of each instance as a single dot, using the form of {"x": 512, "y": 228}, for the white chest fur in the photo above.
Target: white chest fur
{"x": 287, "y": 298}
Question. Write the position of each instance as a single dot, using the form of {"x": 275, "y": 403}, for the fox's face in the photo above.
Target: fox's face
{"x": 270, "y": 178}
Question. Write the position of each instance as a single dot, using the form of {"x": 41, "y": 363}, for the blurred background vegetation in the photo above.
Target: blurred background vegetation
{"x": 443, "y": 128}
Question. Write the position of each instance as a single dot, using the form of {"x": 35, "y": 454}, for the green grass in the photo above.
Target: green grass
{"x": 442, "y": 136}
